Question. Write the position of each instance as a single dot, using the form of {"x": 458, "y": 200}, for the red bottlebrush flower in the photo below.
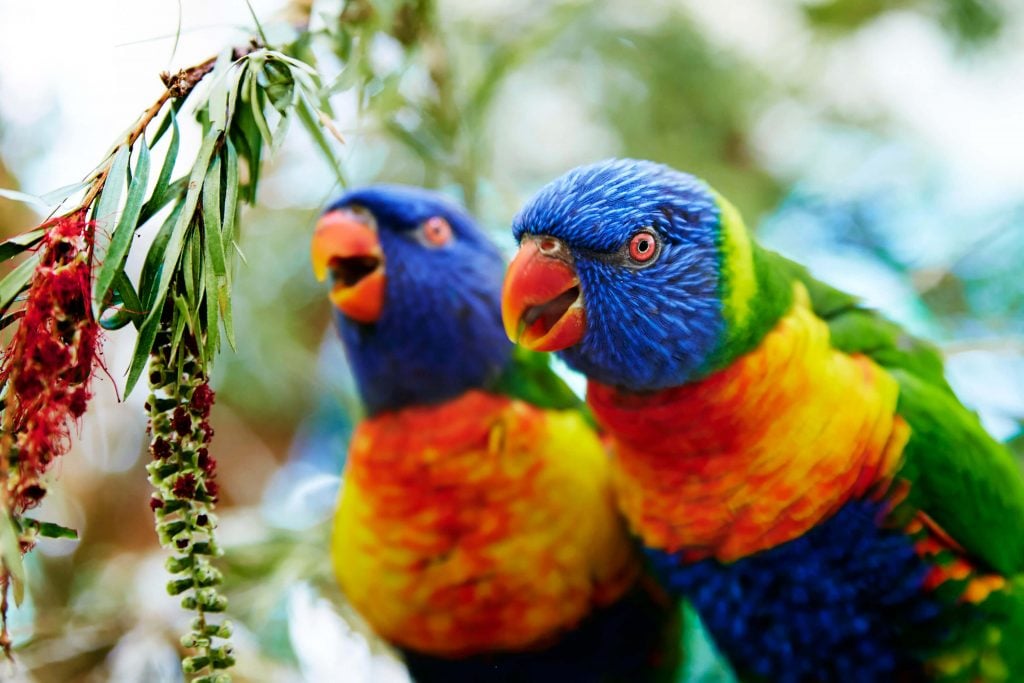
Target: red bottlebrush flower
{"x": 185, "y": 486}
{"x": 181, "y": 422}
{"x": 207, "y": 464}
{"x": 161, "y": 449}
{"x": 213, "y": 490}
{"x": 202, "y": 400}
{"x": 51, "y": 358}
{"x": 79, "y": 402}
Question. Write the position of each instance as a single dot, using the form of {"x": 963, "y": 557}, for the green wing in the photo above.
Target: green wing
{"x": 963, "y": 478}
{"x": 529, "y": 377}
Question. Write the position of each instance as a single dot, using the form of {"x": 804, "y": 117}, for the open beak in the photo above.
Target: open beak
{"x": 541, "y": 302}
{"x": 346, "y": 248}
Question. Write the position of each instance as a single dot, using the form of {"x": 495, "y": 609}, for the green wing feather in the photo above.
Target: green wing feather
{"x": 963, "y": 478}
{"x": 529, "y": 377}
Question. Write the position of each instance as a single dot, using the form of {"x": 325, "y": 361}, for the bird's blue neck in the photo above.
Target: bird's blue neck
{"x": 415, "y": 357}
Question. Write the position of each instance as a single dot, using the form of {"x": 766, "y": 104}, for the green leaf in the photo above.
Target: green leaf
{"x": 25, "y": 197}
{"x": 256, "y": 106}
{"x": 121, "y": 240}
{"x": 212, "y": 219}
{"x": 228, "y": 231}
{"x": 222, "y": 81}
{"x": 16, "y": 281}
{"x": 143, "y": 346}
{"x": 8, "y": 320}
{"x": 309, "y": 118}
{"x": 212, "y": 340}
{"x": 189, "y": 267}
{"x": 129, "y": 297}
{"x": 175, "y": 191}
{"x": 19, "y": 243}
{"x": 130, "y": 310}
{"x": 161, "y": 189}
{"x": 167, "y": 261}
{"x": 166, "y": 121}
{"x": 181, "y": 320}
{"x": 113, "y": 186}
{"x": 55, "y": 197}
{"x": 177, "y": 237}
{"x": 230, "y": 196}
{"x": 154, "y": 257}
{"x": 131, "y": 305}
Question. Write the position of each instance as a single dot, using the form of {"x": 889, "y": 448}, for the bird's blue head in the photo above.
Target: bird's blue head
{"x": 635, "y": 272}
{"x": 417, "y": 290}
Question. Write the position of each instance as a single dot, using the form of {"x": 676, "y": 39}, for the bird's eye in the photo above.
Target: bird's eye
{"x": 643, "y": 247}
{"x": 437, "y": 231}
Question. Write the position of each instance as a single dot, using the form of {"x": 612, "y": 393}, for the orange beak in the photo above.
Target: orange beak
{"x": 346, "y": 248}
{"x": 541, "y": 302}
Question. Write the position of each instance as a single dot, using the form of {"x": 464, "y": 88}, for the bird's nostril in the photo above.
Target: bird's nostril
{"x": 548, "y": 245}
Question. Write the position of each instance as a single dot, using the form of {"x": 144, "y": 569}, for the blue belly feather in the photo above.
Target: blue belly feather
{"x": 840, "y": 603}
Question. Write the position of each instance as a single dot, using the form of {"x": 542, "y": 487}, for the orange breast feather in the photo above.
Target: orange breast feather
{"x": 480, "y": 524}
{"x": 759, "y": 452}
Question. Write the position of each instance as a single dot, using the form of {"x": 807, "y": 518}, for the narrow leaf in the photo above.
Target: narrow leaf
{"x": 224, "y": 300}
{"x": 55, "y": 197}
{"x": 121, "y": 240}
{"x": 167, "y": 263}
{"x": 212, "y": 219}
{"x": 256, "y": 105}
{"x": 166, "y": 121}
{"x": 110, "y": 197}
{"x": 230, "y": 195}
{"x": 176, "y": 240}
{"x": 174, "y": 192}
{"x": 25, "y": 197}
{"x": 129, "y": 297}
{"x": 161, "y": 188}
{"x": 19, "y": 243}
{"x": 189, "y": 266}
{"x": 221, "y": 82}
{"x": 212, "y": 293}
{"x": 312, "y": 123}
{"x": 155, "y": 256}
{"x": 16, "y": 281}
{"x": 143, "y": 346}
{"x": 12, "y": 318}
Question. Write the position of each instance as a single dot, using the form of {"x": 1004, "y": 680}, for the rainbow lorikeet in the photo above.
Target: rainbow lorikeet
{"x": 795, "y": 464}
{"x": 476, "y": 529}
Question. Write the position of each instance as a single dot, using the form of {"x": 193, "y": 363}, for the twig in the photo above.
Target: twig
{"x": 178, "y": 86}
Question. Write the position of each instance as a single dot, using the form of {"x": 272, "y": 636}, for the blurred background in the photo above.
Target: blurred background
{"x": 879, "y": 142}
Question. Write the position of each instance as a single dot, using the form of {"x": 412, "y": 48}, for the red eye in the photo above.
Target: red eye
{"x": 642, "y": 247}
{"x": 437, "y": 231}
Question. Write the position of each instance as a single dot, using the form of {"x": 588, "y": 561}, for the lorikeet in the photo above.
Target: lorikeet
{"x": 795, "y": 464}
{"x": 476, "y": 529}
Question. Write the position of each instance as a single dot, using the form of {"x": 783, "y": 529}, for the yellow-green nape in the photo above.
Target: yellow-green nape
{"x": 739, "y": 280}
